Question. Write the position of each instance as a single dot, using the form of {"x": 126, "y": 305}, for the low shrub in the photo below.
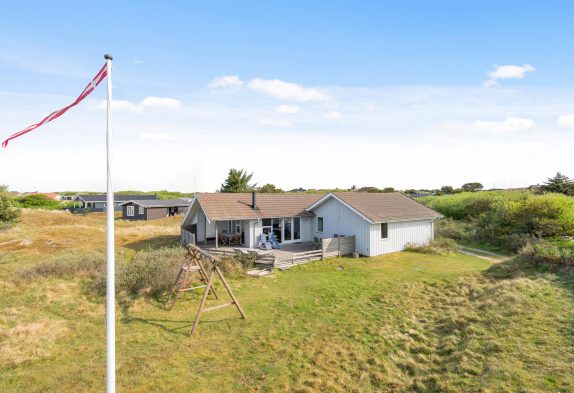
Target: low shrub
{"x": 9, "y": 213}
{"x": 66, "y": 265}
{"x": 149, "y": 273}
{"x": 37, "y": 201}
{"x": 560, "y": 255}
{"x": 454, "y": 229}
{"x": 236, "y": 265}
{"x": 439, "y": 246}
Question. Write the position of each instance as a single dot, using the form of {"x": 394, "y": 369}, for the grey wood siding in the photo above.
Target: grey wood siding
{"x": 136, "y": 216}
{"x": 339, "y": 220}
{"x": 399, "y": 235}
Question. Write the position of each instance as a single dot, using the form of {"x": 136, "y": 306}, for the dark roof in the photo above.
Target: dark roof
{"x": 117, "y": 198}
{"x": 233, "y": 206}
{"x": 383, "y": 207}
{"x": 160, "y": 203}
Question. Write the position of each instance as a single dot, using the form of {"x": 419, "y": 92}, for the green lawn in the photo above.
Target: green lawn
{"x": 401, "y": 322}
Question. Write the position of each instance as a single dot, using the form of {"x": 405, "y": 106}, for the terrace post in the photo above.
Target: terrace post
{"x": 216, "y": 236}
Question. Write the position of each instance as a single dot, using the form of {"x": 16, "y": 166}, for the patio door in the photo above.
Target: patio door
{"x": 291, "y": 229}
{"x": 287, "y": 229}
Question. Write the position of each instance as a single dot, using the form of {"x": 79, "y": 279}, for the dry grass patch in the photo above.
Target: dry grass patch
{"x": 29, "y": 341}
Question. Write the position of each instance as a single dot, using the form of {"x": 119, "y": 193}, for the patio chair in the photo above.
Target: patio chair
{"x": 274, "y": 241}
{"x": 222, "y": 239}
{"x": 262, "y": 241}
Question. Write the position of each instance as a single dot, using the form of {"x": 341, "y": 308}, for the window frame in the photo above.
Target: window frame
{"x": 384, "y": 231}
{"x": 322, "y": 221}
{"x": 130, "y": 211}
{"x": 141, "y": 210}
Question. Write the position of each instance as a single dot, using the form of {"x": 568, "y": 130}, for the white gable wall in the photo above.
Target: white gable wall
{"x": 341, "y": 220}
{"x": 399, "y": 234}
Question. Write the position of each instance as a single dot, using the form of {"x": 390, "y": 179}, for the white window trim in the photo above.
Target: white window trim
{"x": 130, "y": 211}
{"x": 140, "y": 210}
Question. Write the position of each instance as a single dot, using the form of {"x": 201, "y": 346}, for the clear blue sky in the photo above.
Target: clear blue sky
{"x": 433, "y": 56}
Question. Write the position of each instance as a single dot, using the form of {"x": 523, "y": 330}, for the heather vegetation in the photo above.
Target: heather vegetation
{"x": 541, "y": 225}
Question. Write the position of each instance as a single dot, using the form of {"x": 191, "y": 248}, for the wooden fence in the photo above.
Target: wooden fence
{"x": 187, "y": 238}
{"x": 337, "y": 246}
{"x": 330, "y": 247}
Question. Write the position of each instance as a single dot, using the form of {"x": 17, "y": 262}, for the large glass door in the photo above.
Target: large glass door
{"x": 296, "y": 228}
{"x": 278, "y": 229}
{"x": 287, "y": 229}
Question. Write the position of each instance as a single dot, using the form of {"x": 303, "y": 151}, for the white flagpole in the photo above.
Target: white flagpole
{"x": 110, "y": 250}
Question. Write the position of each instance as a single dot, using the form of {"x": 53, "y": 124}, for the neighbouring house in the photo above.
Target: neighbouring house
{"x": 68, "y": 197}
{"x": 98, "y": 202}
{"x": 381, "y": 222}
{"x": 153, "y": 209}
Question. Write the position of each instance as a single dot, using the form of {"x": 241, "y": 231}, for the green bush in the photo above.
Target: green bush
{"x": 439, "y": 246}
{"x": 561, "y": 255}
{"x": 37, "y": 201}
{"x": 9, "y": 213}
{"x": 150, "y": 273}
{"x": 454, "y": 229}
{"x": 236, "y": 265}
{"x": 505, "y": 219}
{"x": 465, "y": 205}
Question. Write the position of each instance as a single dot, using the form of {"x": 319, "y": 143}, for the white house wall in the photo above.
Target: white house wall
{"x": 338, "y": 219}
{"x": 399, "y": 235}
{"x": 200, "y": 226}
{"x": 307, "y": 234}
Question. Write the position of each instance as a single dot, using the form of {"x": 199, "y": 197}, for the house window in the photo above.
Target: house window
{"x": 237, "y": 226}
{"x": 384, "y": 230}
{"x": 140, "y": 210}
{"x": 130, "y": 211}
{"x": 320, "y": 224}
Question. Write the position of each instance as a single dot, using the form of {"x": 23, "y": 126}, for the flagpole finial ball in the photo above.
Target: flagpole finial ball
{"x": 108, "y": 57}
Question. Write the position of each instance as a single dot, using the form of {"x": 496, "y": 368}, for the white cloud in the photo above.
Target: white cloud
{"x": 275, "y": 123}
{"x": 287, "y": 109}
{"x": 138, "y": 61}
{"x": 566, "y": 121}
{"x": 157, "y": 136}
{"x": 509, "y": 125}
{"x": 122, "y": 106}
{"x": 334, "y": 115}
{"x": 286, "y": 91}
{"x": 507, "y": 72}
{"x": 226, "y": 81}
{"x": 161, "y": 102}
{"x": 489, "y": 83}
{"x": 389, "y": 129}
{"x": 146, "y": 103}
{"x": 510, "y": 72}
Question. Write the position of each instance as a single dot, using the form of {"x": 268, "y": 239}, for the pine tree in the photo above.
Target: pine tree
{"x": 238, "y": 181}
{"x": 560, "y": 184}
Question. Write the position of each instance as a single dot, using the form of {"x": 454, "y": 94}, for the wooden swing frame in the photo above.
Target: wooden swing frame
{"x": 194, "y": 264}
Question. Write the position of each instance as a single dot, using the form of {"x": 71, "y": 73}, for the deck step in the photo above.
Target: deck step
{"x": 259, "y": 272}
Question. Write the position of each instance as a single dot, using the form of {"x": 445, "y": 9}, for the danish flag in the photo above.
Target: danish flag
{"x": 54, "y": 115}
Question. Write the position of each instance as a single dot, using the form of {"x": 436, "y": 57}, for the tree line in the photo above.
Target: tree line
{"x": 240, "y": 180}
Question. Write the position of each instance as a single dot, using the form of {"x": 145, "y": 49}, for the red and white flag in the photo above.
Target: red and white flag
{"x": 54, "y": 115}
